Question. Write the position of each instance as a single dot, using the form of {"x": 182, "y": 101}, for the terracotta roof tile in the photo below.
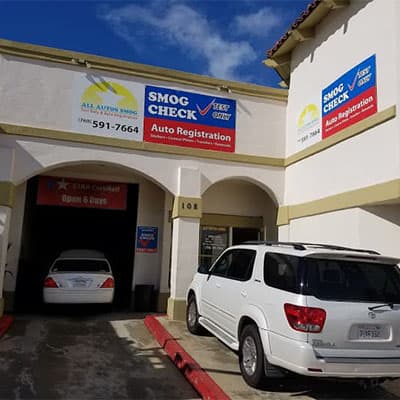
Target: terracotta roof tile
{"x": 303, "y": 16}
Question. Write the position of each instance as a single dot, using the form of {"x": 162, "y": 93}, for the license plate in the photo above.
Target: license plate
{"x": 369, "y": 332}
{"x": 79, "y": 283}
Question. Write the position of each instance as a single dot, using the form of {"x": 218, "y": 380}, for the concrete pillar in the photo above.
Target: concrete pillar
{"x": 186, "y": 214}
{"x": 184, "y": 260}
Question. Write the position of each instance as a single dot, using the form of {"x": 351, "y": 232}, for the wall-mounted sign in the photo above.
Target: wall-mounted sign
{"x": 309, "y": 126}
{"x": 108, "y": 107}
{"x": 147, "y": 239}
{"x": 187, "y": 119}
{"x": 350, "y": 99}
{"x": 82, "y": 193}
{"x": 190, "y": 207}
{"x": 124, "y": 109}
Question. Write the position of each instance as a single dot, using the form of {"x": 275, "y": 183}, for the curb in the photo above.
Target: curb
{"x": 197, "y": 377}
{"x": 5, "y": 323}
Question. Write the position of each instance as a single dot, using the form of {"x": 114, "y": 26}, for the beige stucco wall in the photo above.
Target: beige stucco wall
{"x": 343, "y": 39}
{"x": 341, "y": 42}
{"x": 40, "y": 94}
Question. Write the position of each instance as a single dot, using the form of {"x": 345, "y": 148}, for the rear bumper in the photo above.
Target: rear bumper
{"x": 62, "y": 296}
{"x": 300, "y": 357}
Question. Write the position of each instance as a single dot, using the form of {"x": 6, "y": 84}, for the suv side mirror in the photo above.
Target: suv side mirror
{"x": 203, "y": 269}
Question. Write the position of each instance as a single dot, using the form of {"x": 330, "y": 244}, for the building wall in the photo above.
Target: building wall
{"x": 40, "y": 94}
{"x": 371, "y": 157}
{"x": 39, "y": 99}
{"x": 342, "y": 41}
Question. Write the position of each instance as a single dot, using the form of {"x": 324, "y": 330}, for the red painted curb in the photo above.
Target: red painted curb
{"x": 5, "y": 322}
{"x": 197, "y": 377}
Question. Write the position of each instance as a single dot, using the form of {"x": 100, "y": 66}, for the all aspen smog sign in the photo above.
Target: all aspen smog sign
{"x": 81, "y": 193}
{"x": 350, "y": 99}
{"x": 188, "y": 119}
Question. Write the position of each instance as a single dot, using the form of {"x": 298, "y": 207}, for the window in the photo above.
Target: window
{"x": 282, "y": 271}
{"x": 76, "y": 265}
{"x": 213, "y": 240}
{"x": 236, "y": 264}
{"x": 343, "y": 280}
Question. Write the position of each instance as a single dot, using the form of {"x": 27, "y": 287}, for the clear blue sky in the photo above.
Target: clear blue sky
{"x": 225, "y": 39}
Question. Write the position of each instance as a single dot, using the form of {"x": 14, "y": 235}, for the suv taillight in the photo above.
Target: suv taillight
{"x": 108, "y": 283}
{"x": 50, "y": 283}
{"x": 305, "y": 319}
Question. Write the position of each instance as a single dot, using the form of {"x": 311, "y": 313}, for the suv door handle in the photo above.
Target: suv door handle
{"x": 243, "y": 293}
{"x": 218, "y": 285}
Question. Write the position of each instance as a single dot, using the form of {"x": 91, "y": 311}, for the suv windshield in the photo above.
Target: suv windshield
{"x": 76, "y": 265}
{"x": 342, "y": 280}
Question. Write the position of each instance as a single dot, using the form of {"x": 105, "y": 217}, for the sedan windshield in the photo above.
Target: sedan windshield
{"x": 343, "y": 280}
{"x": 76, "y": 265}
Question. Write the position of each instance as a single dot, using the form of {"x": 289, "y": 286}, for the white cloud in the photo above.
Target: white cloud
{"x": 259, "y": 23}
{"x": 185, "y": 28}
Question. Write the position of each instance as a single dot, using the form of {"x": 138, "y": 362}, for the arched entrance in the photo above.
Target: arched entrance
{"x": 235, "y": 211}
{"x": 124, "y": 202}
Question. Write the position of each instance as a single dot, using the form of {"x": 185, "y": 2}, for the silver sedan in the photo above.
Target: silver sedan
{"x": 79, "y": 276}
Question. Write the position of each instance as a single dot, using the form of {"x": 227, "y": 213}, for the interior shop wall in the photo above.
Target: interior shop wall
{"x": 150, "y": 214}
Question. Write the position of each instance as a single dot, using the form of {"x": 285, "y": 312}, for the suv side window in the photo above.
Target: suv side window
{"x": 236, "y": 264}
{"x": 281, "y": 271}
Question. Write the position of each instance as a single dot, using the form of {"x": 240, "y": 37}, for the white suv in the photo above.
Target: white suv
{"x": 313, "y": 309}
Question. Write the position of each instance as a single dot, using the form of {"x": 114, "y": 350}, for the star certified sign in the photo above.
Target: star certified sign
{"x": 81, "y": 193}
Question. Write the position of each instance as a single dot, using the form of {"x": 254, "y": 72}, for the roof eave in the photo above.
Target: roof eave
{"x": 303, "y": 29}
{"x": 90, "y": 61}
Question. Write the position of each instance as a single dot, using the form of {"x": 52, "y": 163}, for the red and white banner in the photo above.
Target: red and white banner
{"x": 82, "y": 193}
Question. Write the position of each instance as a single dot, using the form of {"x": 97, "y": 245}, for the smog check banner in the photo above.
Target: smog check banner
{"x": 187, "y": 119}
{"x": 81, "y": 193}
{"x": 350, "y": 99}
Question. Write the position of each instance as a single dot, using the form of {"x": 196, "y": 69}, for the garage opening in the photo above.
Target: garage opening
{"x": 50, "y": 229}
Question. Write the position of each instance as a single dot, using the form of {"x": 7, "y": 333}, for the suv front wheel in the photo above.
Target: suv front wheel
{"x": 251, "y": 357}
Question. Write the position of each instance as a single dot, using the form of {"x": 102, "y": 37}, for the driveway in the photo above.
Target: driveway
{"x": 89, "y": 356}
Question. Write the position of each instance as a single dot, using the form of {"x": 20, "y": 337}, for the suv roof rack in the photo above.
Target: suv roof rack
{"x": 306, "y": 245}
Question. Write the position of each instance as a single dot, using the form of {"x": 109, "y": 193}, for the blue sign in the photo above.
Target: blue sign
{"x": 350, "y": 85}
{"x": 187, "y": 119}
{"x": 147, "y": 239}
{"x": 350, "y": 99}
{"x": 177, "y": 105}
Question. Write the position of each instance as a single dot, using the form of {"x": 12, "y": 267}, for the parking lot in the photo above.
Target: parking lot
{"x": 94, "y": 355}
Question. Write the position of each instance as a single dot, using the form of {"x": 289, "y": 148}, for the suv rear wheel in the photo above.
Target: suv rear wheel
{"x": 251, "y": 357}
{"x": 192, "y": 317}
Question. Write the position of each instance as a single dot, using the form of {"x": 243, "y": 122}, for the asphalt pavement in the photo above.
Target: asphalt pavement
{"x": 86, "y": 356}
{"x": 80, "y": 356}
